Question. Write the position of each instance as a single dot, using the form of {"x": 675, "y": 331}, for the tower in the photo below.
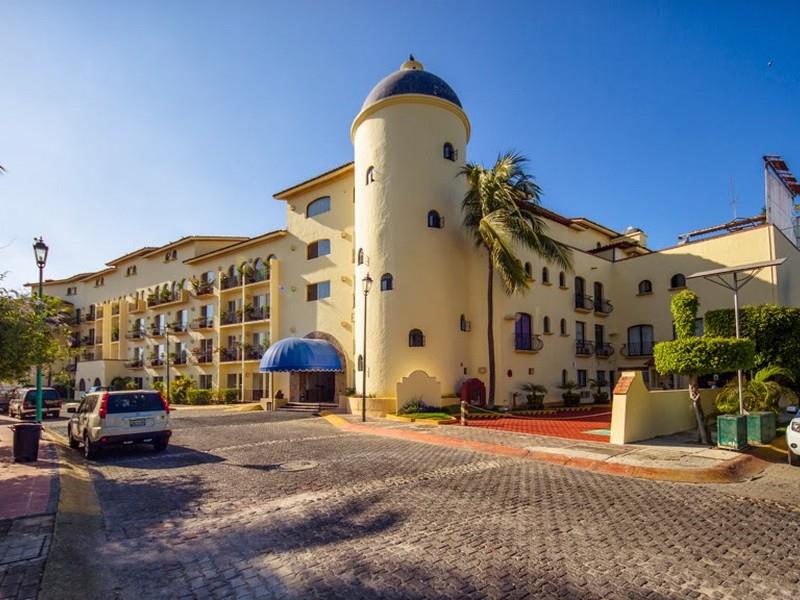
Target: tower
{"x": 410, "y": 140}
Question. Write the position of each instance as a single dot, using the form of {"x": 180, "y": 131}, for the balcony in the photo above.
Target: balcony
{"x": 136, "y": 363}
{"x": 202, "y": 323}
{"x": 254, "y": 352}
{"x": 178, "y": 327}
{"x": 99, "y": 313}
{"x": 156, "y": 330}
{"x": 115, "y": 336}
{"x": 584, "y": 303}
{"x": 156, "y": 362}
{"x": 228, "y": 283}
{"x": 90, "y": 317}
{"x": 637, "y": 349}
{"x": 256, "y": 277}
{"x": 203, "y": 288}
{"x": 179, "y": 358}
{"x": 584, "y": 348}
{"x": 259, "y": 313}
{"x": 74, "y": 320}
{"x": 136, "y": 306}
{"x": 203, "y": 356}
{"x": 114, "y": 309}
{"x": 98, "y": 340}
{"x": 169, "y": 298}
{"x": 603, "y": 350}
{"x": 602, "y": 307}
{"x": 228, "y": 354}
{"x": 528, "y": 342}
{"x": 230, "y": 317}
{"x": 134, "y": 334}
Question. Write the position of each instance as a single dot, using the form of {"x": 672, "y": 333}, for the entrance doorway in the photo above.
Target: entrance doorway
{"x": 316, "y": 387}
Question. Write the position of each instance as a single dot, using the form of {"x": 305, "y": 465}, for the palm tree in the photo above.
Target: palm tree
{"x": 761, "y": 393}
{"x": 501, "y": 213}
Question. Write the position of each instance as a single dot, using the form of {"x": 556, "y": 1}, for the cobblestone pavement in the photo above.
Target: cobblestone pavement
{"x": 24, "y": 544}
{"x": 249, "y": 506}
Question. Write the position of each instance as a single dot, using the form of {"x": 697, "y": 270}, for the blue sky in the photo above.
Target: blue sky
{"x": 185, "y": 117}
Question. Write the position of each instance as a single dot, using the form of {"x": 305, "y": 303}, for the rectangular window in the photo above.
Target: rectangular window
{"x": 580, "y": 331}
{"x": 581, "y": 377}
{"x": 138, "y": 382}
{"x": 601, "y": 378}
{"x": 233, "y": 380}
{"x": 158, "y": 379}
{"x": 206, "y": 382}
{"x": 599, "y": 335}
{"x": 318, "y": 291}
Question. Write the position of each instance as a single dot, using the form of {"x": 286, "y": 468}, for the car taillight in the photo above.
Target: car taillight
{"x": 104, "y": 405}
{"x": 165, "y": 402}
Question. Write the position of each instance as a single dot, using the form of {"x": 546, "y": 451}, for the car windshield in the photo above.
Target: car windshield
{"x": 134, "y": 402}
{"x": 46, "y": 395}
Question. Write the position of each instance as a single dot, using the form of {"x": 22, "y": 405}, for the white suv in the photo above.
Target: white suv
{"x": 793, "y": 436}
{"x": 119, "y": 418}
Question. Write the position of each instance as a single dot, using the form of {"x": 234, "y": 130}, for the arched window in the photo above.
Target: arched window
{"x": 82, "y": 385}
{"x": 562, "y": 279}
{"x": 678, "y": 281}
{"x": 97, "y": 382}
{"x": 415, "y": 338}
{"x": 318, "y": 248}
{"x": 360, "y": 257}
{"x": 370, "y": 175}
{"x": 464, "y": 325}
{"x": 387, "y": 282}
{"x": 645, "y": 287}
{"x": 318, "y": 206}
{"x": 529, "y": 270}
{"x": 580, "y": 286}
{"x": 523, "y": 332}
{"x": 640, "y": 340}
{"x": 435, "y": 220}
{"x": 448, "y": 151}
{"x": 546, "y": 324}
{"x": 360, "y": 363}
{"x": 563, "y": 327}
{"x": 260, "y": 268}
{"x": 545, "y": 275}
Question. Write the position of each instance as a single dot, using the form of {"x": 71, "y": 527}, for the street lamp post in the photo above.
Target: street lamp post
{"x": 367, "y": 284}
{"x": 40, "y": 252}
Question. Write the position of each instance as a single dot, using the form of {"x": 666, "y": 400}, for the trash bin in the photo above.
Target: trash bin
{"x": 26, "y": 441}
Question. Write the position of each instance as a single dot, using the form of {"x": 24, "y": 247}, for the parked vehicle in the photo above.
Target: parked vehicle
{"x": 23, "y": 403}
{"x": 793, "y": 436}
{"x": 6, "y": 393}
{"x": 126, "y": 417}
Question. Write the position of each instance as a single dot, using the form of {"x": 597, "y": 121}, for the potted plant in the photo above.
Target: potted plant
{"x": 570, "y": 396}
{"x": 166, "y": 295}
{"x": 535, "y": 393}
{"x": 598, "y": 394}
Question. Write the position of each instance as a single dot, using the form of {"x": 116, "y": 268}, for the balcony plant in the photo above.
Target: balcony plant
{"x": 246, "y": 272}
{"x": 152, "y": 299}
{"x": 570, "y": 394}
{"x": 535, "y": 393}
{"x": 166, "y": 295}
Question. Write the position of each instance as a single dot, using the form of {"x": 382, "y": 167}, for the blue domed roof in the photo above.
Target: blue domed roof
{"x": 411, "y": 79}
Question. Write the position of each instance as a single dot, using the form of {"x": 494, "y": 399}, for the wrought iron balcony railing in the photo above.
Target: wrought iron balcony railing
{"x": 528, "y": 342}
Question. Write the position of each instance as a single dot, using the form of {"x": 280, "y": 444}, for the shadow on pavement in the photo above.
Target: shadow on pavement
{"x": 143, "y": 457}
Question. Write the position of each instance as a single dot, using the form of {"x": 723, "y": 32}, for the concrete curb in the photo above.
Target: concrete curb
{"x": 730, "y": 471}
{"x": 429, "y": 422}
{"x": 71, "y": 571}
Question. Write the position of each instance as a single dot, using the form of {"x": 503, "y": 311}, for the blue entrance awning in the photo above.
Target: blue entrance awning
{"x": 300, "y": 354}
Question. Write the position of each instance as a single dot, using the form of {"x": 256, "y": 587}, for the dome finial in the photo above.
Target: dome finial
{"x": 412, "y": 64}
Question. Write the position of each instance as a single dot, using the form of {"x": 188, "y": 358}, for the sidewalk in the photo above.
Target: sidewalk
{"x": 673, "y": 458}
{"x": 28, "y": 501}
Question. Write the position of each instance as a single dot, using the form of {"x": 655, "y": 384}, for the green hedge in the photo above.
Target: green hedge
{"x": 199, "y": 397}
{"x": 774, "y": 329}
{"x": 227, "y": 395}
{"x": 703, "y": 356}
{"x": 684, "y": 312}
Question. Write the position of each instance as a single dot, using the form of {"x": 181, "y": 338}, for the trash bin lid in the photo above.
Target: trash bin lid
{"x": 26, "y": 426}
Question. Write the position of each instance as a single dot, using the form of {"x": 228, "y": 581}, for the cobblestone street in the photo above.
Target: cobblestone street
{"x": 257, "y": 505}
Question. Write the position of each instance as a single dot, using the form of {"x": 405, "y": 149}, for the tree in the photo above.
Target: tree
{"x": 29, "y": 336}
{"x": 501, "y": 213}
{"x": 694, "y": 356}
{"x": 761, "y": 392}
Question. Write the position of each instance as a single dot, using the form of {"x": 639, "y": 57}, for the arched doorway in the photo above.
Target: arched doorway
{"x": 319, "y": 387}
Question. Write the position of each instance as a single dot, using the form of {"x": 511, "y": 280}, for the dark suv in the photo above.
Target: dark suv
{"x": 23, "y": 403}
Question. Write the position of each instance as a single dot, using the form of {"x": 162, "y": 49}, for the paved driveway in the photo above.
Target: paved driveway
{"x": 592, "y": 425}
{"x": 246, "y": 506}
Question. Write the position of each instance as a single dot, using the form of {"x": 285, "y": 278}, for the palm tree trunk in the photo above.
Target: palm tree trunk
{"x": 490, "y": 332}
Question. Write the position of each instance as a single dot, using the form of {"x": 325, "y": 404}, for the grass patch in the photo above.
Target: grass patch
{"x": 436, "y": 416}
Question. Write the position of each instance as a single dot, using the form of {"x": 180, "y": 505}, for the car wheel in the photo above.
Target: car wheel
{"x": 794, "y": 460}
{"x": 160, "y": 446}
{"x": 73, "y": 443}
{"x": 89, "y": 449}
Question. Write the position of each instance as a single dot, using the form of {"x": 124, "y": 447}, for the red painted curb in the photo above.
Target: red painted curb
{"x": 730, "y": 471}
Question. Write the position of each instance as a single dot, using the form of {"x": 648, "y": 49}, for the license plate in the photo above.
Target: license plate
{"x": 137, "y": 422}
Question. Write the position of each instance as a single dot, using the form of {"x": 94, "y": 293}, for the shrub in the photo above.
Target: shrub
{"x": 684, "y": 311}
{"x": 775, "y": 330}
{"x": 178, "y": 389}
{"x": 227, "y": 395}
{"x": 199, "y": 397}
{"x": 703, "y": 356}
{"x": 416, "y": 405}
{"x": 761, "y": 393}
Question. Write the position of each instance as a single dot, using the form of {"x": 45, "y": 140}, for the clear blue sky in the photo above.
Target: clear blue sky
{"x": 185, "y": 117}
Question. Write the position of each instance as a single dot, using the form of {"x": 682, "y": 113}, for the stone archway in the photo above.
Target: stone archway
{"x": 320, "y": 387}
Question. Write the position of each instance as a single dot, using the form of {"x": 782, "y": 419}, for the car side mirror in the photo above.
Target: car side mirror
{"x": 71, "y": 409}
